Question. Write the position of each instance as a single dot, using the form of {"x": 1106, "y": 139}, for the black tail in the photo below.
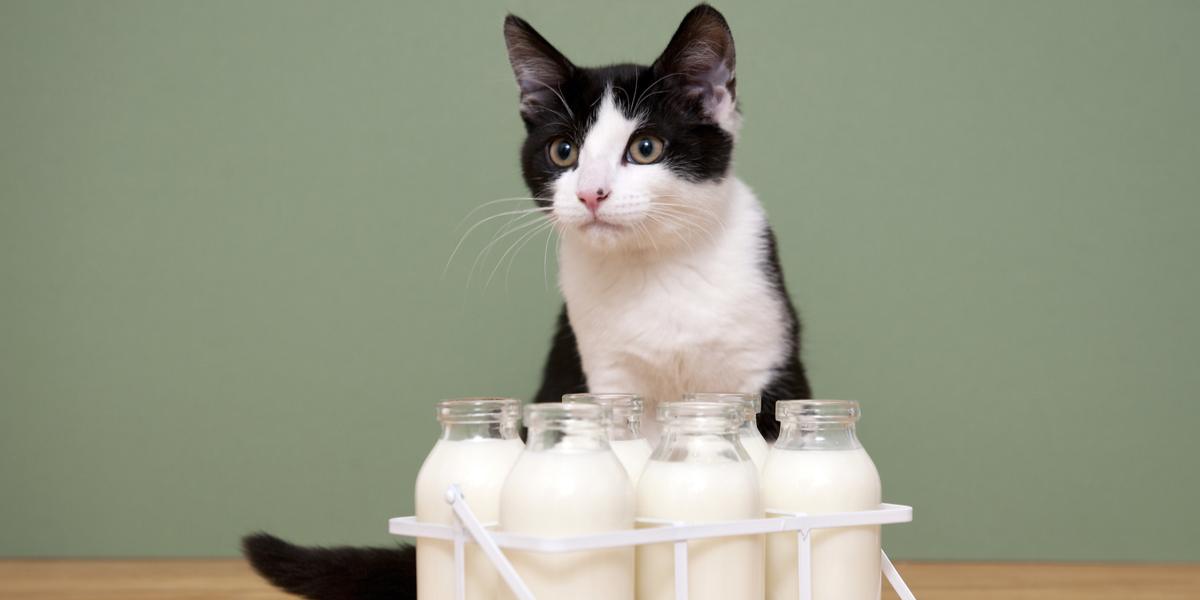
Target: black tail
{"x": 341, "y": 573}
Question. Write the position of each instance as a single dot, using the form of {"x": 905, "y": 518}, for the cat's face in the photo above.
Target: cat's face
{"x": 630, "y": 157}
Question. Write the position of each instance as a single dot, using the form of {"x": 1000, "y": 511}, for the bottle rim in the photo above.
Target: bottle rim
{"x": 818, "y": 411}
{"x": 479, "y": 410}
{"x": 619, "y": 404}
{"x": 752, "y": 402}
{"x": 702, "y": 414}
{"x": 548, "y": 413}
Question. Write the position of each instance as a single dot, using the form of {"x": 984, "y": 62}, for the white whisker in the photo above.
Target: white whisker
{"x": 467, "y": 234}
{"x": 687, "y": 223}
{"x": 515, "y": 244}
{"x": 481, "y": 257}
{"x": 673, "y": 230}
{"x": 496, "y": 201}
{"x": 650, "y": 87}
{"x": 546, "y": 259}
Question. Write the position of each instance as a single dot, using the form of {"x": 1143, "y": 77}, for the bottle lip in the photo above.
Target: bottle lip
{"x": 550, "y": 412}
{"x": 479, "y": 410}
{"x": 619, "y": 404}
{"x": 705, "y": 414}
{"x": 818, "y": 411}
{"x": 751, "y": 401}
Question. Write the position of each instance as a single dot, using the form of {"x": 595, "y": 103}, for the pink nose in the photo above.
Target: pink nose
{"x": 592, "y": 198}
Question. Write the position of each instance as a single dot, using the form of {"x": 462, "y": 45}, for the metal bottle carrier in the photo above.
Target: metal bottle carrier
{"x": 468, "y": 529}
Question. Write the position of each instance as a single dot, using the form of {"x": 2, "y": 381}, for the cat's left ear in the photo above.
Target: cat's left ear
{"x": 700, "y": 60}
{"x": 539, "y": 67}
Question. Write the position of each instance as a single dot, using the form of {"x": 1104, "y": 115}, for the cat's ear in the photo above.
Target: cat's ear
{"x": 700, "y": 61}
{"x": 540, "y": 68}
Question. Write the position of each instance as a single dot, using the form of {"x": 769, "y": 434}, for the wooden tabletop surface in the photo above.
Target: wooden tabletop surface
{"x": 226, "y": 579}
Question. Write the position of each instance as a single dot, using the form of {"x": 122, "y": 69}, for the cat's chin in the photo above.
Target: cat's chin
{"x": 605, "y": 236}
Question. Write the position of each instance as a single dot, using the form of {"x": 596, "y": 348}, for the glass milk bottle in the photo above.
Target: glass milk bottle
{"x": 568, "y": 482}
{"x": 748, "y": 433}
{"x": 624, "y": 429}
{"x": 818, "y": 466}
{"x": 478, "y": 446}
{"x": 701, "y": 473}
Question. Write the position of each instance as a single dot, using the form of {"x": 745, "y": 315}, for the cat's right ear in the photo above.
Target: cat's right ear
{"x": 540, "y": 68}
{"x": 701, "y": 53}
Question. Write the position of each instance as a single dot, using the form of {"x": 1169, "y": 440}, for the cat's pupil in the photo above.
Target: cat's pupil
{"x": 645, "y": 147}
{"x": 564, "y": 151}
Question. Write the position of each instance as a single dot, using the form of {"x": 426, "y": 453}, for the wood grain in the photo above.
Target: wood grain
{"x": 224, "y": 579}
{"x": 1041, "y": 581}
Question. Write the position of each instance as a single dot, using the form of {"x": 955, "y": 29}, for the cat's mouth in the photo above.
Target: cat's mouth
{"x": 598, "y": 224}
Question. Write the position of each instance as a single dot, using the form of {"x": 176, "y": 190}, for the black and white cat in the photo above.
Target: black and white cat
{"x": 667, "y": 263}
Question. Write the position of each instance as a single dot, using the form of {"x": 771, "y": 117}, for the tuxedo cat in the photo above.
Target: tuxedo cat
{"x": 667, "y": 264}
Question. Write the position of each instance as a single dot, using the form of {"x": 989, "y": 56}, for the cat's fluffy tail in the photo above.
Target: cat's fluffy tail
{"x": 339, "y": 573}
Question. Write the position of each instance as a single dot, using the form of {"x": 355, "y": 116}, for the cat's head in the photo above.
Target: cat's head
{"x": 628, "y": 156}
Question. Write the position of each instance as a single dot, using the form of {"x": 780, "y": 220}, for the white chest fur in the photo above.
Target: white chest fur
{"x": 698, "y": 318}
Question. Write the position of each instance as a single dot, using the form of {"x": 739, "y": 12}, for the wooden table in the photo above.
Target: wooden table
{"x": 225, "y": 579}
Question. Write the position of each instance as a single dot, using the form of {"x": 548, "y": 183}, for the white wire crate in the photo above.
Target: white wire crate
{"x": 468, "y": 529}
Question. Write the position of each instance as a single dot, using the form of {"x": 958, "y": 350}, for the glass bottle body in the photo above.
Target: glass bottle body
{"x": 698, "y": 473}
{"x": 477, "y": 447}
{"x": 569, "y": 482}
{"x": 819, "y": 466}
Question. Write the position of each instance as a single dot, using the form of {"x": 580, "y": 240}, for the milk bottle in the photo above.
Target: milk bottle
{"x": 819, "y": 466}
{"x": 568, "y": 482}
{"x": 700, "y": 472}
{"x": 624, "y": 428}
{"x": 478, "y": 446}
{"x": 751, "y": 438}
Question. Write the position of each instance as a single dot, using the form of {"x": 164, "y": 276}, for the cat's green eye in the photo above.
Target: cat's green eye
{"x": 645, "y": 149}
{"x": 562, "y": 152}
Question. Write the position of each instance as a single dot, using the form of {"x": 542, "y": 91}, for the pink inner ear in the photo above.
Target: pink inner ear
{"x": 716, "y": 102}
{"x": 712, "y": 86}
{"x": 716, "y": 75}
{"x": 537, "y": 81}
{"x": 709, "y": 74}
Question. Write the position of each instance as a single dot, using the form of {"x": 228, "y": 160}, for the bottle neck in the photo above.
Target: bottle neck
{"x": 749, "y": 428}
{"x": 623, "y": 428}
{"x": 497, "y": 430}
{"x": 799, "y": 435}
{"x": 682, "y": 444}
{"x": 569, "y": 436}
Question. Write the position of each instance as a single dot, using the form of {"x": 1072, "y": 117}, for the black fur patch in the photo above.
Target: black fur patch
{"x": 339, "y": 573}
{"x": 696, "y": 149}
{"x": 670, "y": 97}
{"x": 790, "y": 381}
{"x": 563, "y": 373}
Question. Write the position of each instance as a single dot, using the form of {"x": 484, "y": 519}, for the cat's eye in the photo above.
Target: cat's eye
{"x": 562, "y": 152}
{"x": 645, "y": 149}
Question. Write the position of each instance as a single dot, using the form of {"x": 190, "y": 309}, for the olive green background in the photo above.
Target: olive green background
{"x": 223, "y": 227}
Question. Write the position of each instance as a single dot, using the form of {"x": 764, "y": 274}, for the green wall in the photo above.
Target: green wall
{"x": 223, "y": 227}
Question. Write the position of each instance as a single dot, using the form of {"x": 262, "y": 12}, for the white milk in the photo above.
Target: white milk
{"x": 479, "y": 467}
{"x": 565, "y": 492}
{"x": 756, "y": 446}
{"x": 845, "y": 561}
{"x": 729, "y": 568}
{"x": 633, "y": 455}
